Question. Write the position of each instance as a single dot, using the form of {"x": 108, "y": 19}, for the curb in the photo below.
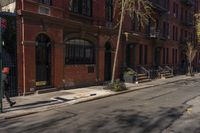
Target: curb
{"x": 20, "y": 115}
{"x": 29, "y": 112}
{"x": 127, "y": 91}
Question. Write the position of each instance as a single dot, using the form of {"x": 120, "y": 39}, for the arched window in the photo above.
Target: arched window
{"x": 79, "y": 51}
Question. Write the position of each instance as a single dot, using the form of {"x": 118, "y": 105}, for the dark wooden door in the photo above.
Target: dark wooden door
{"x": 108, "y": 63}
{"x": 43, "y": 61}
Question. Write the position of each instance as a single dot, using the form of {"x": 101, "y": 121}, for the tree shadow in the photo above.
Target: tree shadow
{"x": 132, "y": 121}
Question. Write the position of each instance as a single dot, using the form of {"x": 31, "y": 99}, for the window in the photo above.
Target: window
{"x": 167, "y": 58}
{"x": 83, "y": 7}
{"x": 176, "y": 34}
{"x": 173, "y": 32}
{"x": 186, "y": 34}
{"x": 141, "y": 54}
{"x": 48, "y": 2}
{"x": 109, "y": 10}
{"x": 173, "y": 56}
{"x": 79, "y": 52}
{"x": 168, "y": 31}
{"x": 165, "y": 30}
{"x": 182, "y": 12}
{"x": 181, "y": 35}
{"x": 145, "y": 54}
{"x": 175, "y": 10}
{"x": 136, "y": 22}
{"x": 176, "y": 55}
{"x": 166, "y": 4}
{"x": 186, "y": 16}
{"x": 199, "y": 59}
{"x": 164, "y": 57}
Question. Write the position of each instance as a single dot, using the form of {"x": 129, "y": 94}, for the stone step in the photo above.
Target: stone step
{"x": 142, "y": 77}
{"x": 144, "y": 80}
{"x": 163, "y": 72}
{"x": 169, "y": 76}
{"x": 141, "y": 74}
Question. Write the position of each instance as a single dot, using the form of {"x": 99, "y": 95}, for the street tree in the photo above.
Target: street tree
{"x": 142, "y": 9}
{"x": 191, "y": 51}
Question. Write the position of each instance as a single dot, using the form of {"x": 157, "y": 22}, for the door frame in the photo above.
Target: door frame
{"x": 48, "y": 60}
{"x": 107, "y": 67}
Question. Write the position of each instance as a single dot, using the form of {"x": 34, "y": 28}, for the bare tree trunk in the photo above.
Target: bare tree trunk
{"x": 118, "y": 41}
{"x": 190, "y": 68}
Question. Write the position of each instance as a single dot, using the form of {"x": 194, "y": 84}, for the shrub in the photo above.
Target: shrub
{"x": 129, "y": 71}
{"x": 116, "y": 86}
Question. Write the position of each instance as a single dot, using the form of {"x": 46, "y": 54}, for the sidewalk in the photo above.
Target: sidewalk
{"x": 42, "y": 102}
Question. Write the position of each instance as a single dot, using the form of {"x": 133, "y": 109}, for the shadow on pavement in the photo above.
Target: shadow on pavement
{"x": 32, "y": 105}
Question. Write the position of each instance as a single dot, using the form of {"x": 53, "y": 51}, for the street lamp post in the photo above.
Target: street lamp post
{"x": 1, "y": 91}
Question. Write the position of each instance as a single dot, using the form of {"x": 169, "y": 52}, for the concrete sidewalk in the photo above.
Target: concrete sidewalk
{"x": 42, "y": 102}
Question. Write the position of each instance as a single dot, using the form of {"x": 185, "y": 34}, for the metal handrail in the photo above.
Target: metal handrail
{"x": 146, "y": 71}
{"x": 160, "y": 68}
{"x": 170, "y": 69}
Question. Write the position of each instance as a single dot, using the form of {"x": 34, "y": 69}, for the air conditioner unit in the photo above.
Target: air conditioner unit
{"x": 44, "y": 10}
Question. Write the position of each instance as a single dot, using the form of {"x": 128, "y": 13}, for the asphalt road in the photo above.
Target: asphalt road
{"x": 152, "y": 110}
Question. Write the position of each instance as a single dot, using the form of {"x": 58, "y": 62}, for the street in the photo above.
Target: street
{"x": 171, "y": 108}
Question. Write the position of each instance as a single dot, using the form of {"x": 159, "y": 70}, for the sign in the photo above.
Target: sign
{"x": 41, "y": 83}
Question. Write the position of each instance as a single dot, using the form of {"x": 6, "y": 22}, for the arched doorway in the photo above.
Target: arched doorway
{"x": 157, "y": 56}
{"x": 108, "y": 62}
{"x": 130, "y": 56}
{"x": 43, "y": 61}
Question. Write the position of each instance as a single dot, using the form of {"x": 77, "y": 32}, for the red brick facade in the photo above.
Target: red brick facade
{"x": 62, "y": 25}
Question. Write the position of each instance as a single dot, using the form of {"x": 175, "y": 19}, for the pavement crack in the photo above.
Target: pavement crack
{"x": 158, "y": 96}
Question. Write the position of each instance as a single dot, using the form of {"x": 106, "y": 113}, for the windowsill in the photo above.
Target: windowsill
{"x": 77, "y": 65}
{"x": 41, "y": 4}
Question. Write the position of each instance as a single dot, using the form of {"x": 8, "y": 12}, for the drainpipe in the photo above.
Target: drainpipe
{"x": 97, "y": 57}
{"x": 23, "y": 49}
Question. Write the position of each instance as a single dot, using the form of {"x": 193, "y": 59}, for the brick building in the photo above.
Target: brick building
{"x": 66, "y": 44}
